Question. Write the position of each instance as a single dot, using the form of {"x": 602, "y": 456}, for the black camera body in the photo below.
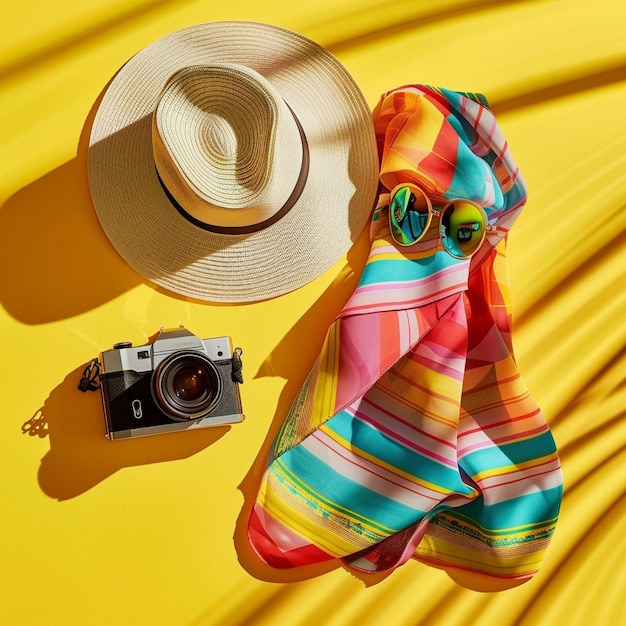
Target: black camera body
{"x": 175, "y": 382}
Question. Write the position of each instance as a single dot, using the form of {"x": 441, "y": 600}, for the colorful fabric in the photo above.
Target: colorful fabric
{"x": 504, "y": 447}
{"x": 414, "y": 435}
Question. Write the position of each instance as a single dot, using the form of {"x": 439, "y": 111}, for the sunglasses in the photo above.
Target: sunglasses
{"x": 462, "y": 224}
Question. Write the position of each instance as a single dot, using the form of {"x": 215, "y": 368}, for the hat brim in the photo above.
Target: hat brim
{"x": 166, "y": 248}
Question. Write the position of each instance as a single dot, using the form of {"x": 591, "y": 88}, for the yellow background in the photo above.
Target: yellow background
{"x": 152, "y": 531}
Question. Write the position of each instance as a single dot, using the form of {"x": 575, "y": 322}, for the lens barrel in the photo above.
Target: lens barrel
{"x": 186, "y": 385}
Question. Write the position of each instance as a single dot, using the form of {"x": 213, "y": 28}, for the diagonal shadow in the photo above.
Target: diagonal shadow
{"x": 611, "y": 74}
{"x": 101, "y": 28}
{"x": 410, "y": 20}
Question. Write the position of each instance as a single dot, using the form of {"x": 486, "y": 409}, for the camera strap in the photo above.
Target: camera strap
{"x": 237, "y": 366}
{"x": 90, "y": 379}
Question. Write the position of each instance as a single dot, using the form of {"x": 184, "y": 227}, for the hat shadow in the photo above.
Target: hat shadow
{"x": 80, "y": 457}
{"x": 57, "y": 262}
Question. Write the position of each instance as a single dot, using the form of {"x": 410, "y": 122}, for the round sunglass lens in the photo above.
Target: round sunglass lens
{"x": 409, "y": 215}
{"x": 464, "y": 225}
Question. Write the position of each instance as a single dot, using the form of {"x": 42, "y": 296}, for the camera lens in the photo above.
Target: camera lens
{"x": 190, "y": 383}
{"x": 187, "y": 385}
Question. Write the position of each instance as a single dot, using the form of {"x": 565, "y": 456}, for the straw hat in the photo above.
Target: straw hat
{"x": 232, "y": 161}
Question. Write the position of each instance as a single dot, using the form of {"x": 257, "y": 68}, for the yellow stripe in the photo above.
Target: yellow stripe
{"x": 520, "y": 531}
{"x": 512, "y": 469}
{"x": 274, "y": 498}
{"x": 328, "y": 507}
{"x": 439, "y": 406}
{"x": 289, "y": 517}
{"x": 325, "y": 393}
{"x": 489, "y": 561}
{"x": 394, "y": 255}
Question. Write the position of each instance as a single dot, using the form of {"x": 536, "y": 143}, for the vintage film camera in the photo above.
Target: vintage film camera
{"x": 175, "y": 382}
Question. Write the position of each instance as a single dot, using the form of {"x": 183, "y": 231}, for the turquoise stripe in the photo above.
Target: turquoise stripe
{"x": 505, "y": 455}
{"x": 403, "y": 269}
{"x": 470, "y": 172}
{"x": 455, "y": 97}
{"x": 349, "y": 498}
{"x": 533, "y": 509}
{"x": 469, "y": 178}
{"x": 365, "y": 437}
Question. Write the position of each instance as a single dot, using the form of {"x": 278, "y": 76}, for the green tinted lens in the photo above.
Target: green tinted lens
{"x": 463, "y": 228}
{"x": 409, "y": 215}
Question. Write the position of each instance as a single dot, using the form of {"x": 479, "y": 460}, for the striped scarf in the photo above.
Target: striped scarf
{"x": 414, "y": 435}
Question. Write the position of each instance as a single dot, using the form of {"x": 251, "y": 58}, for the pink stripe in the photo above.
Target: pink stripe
{"x": 523, "y": 435}
{"x": 509, "y": 493}
{"x": 547, "y": 468}
{"x": 425, "y": 433}
{"x": 441, "y": 562}
{"x": 360, "y": 463}
{"x": 441, "y": 368}
{"x": 444, "y": 354}
{"x": 488, "y": 443}
{"x": 427, "y": 280}
{"x": 401, "y": 303}
{"x": 406, "y": 442}
{"x": 505, "y": 422}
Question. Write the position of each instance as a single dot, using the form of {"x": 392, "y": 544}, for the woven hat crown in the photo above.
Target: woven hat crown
{"x": 226, "y": 145}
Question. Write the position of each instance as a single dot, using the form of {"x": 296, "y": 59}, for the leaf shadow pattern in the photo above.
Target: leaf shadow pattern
{"x": 80, "y": 457}
{"x": 81, "y": 36}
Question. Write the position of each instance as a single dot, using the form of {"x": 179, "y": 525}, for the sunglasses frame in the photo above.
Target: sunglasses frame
{"x": 438, "y": 213}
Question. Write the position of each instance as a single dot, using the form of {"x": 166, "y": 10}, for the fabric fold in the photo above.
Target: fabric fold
{"x": 504, "y": 448}
{"x": 414, "y": 435}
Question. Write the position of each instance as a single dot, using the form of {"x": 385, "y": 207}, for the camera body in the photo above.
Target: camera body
{"x": 175, "y": 382}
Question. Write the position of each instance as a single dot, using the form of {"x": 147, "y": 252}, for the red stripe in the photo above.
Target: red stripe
{"x": 523, "y": 479}
{"x": 271, "y": 554}
{"x": 405, "y": 304}
{"x": 403, "y": 440}
{"x": 510, "y": 420}
{"x": 410, "y": 425}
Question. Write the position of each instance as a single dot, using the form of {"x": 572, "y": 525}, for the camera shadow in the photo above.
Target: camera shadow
{"x": 80, "y": 457}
